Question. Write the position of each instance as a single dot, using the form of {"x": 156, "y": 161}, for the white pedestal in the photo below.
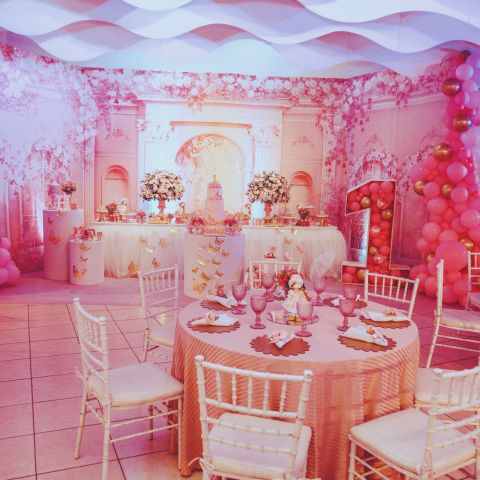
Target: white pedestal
{"x": 57, "y": 232}
{"x": 212, "y": 261}
{"x": 87, "y": 262}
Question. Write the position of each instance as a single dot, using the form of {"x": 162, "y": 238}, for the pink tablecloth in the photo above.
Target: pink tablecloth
{"x": 349, "y": 386}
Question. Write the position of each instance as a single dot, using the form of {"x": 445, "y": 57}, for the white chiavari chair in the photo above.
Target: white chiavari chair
{"x": 132, "y": 386}
{"x": 257, "y": 267}
{"x": 256, "y": 436}
{"x": 387, "y": 287}
{"x": 159, "y": 296}
{"x": 473, "y": 280}
{"x": 420, "y": 445}
{"x": 450, "y": 323}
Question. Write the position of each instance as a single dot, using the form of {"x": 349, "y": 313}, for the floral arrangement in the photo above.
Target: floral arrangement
{"x": 230, "y": 222}
{"x": 161, "y": 185}
{"x": 112, "y": 208}
{"x": 69, "y": 187}
{"x": 84, "y": 233}
{"x": 283, "y": 277}
{"x": 268, "y": 187}
{"x": 197, "y": 222}
{"x": 141, "y": 215}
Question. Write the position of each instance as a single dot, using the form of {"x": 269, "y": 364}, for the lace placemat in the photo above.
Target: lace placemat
{"x": 366, "y": 346}
{"x": 296, "y": 346}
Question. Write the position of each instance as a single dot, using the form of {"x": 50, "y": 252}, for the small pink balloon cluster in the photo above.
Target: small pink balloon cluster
{"x": 448, "y": 181}
{"x": 9, "y": 272}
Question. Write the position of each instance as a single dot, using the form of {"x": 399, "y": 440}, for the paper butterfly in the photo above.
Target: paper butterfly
{"x": 212, "y": 249}
{"x": 205, "y": 277}
{"x": 54, "y": 238}
{"x": 218, "y": 241}
{"x": 216, "y": 262}
{"x": 132, "y": 268}
{"x": 162, "y": 243}
{"x": 195, "y": 269}
{"x": 225, "y": 253}
{"x": 83, "y": 259}
{"x": 218, "y": 274}
{"x": 49, "y": 220}
{"x": 202, "y": 262}
{"x": 155, "y": 262}
{"x": 198, "y": 287}
{"x": 84, "y": 247}
{"x": 79, "y": 273}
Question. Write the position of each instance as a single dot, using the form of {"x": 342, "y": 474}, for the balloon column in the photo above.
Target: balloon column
{"x": 378, "y": 197}
{"x": 447, "y": 181}
{"x": 9, "y": 272}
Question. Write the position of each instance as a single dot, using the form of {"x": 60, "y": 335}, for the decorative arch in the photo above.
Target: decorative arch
{"x": 301, "y": 189}
{"x": 115, "y": 183}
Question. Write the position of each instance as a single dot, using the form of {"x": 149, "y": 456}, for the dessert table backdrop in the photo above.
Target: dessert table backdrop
{"x": 349, "y": 386}
{"x": 131, "y": 247}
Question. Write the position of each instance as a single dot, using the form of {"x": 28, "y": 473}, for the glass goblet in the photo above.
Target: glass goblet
{"x": 239, "y": 290}
{"x": 319, "y": 284}
{"x": 268, "y": 280}
{"x": 350, "y": 292}
{"x": 304, "y": 311}
{"x": 258, "y": 304}
{"x": 347, "y": 306}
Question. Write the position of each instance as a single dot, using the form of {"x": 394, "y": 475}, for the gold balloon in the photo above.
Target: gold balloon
{"x": 365, "y": 202}
{"x": 443, "y": 151}
{"x": 387, "y": 214}
{"x": 418, "y": 186}
{"x": 428, "y": 257}
{"x": 469, "y": 245}
{"x": 451, "y": 86}
{"x": 373, "y": 250}
{"x": 462, "y": 122}
{"x": 446, "y": 190}
{"x": 361, "y": 274}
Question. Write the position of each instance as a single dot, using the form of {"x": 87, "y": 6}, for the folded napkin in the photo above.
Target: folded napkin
{"x": 227, "y": 302}
{"x": 390, "y": 315}
{"x": 366, "y": 333}
{"x": 213, "y": 320}
{"x": 336, "y": 301}
{"x": 280, "y": 338}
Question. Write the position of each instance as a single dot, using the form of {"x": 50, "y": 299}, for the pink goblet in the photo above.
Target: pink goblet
{"x": 347, "y": 306}
{"x": 258, "y": 304}
{"x": 304, "y": 311}
{"x": 268, "y": 280}
{"x": 239, "y": 290}
{"x": 350, "y": 292}
{"x": 319, "y": 284}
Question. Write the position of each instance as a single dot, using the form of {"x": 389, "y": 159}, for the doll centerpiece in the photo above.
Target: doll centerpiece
{"x": 296, "y": 293}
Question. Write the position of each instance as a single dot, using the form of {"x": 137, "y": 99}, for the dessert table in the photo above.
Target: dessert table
{"x": 130, "y": 247}
{"x": 349, "y": 386}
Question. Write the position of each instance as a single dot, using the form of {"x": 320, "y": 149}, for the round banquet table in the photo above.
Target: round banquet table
{"x": 349, "y": 386}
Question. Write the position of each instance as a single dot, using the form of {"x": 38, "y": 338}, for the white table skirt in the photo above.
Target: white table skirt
{"x": 131, "y": 247}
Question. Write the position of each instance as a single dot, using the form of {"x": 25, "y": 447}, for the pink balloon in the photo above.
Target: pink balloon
{"x": 5, "y": 243}
{"x": 469, "y": 86}
{"x": 457, "y": 225}
{"x": 448, "y": 236}
{"x": 437, "y": 205}
{"x": 416, "y": 173}
{"x": 448, "y": 294}
{"x": 431, "y": 190}
{"x": 432, "y": 266}
{"x": 464, "y": 71}
{"x": 354, "y": 206}
{"x": 422, "y": 276}
{"x": 460, "y": 287}
{"x": 347, "y": 278}
{"x": 386, "y": 187}
{"x": 456, "y": 171}
{"x": 475, "y": 204}
{"x": 474, "y": 234}
{"x": 3, "y": 275}
{"x": 13, "y": 274}
{"x": 448, "y": 215}
{"x": 431, "y": 231}
{"x": 431, "y": 286}
{"x": 452, "y": 277}
{"x": 470, "y": 218}
{"x": 374, "y": 187}
{"x": 473, "y": 60}
{"x": 454, "y": 255}
{"x": 459, "y": 194}
{"x": 423, "y": 246}
{"x": 462, "y": 98}
{"x": 4, "y": 257}
{"x": 474, "y": 100}
{"x": 460, "y": 207}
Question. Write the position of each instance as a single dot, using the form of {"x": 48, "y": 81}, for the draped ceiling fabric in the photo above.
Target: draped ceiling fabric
{"x": 336, "y": 38}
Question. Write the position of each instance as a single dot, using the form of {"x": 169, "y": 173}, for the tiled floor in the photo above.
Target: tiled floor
{"x": 40, "y": 394}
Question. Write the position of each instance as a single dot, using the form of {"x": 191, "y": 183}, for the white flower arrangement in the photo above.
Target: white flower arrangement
{"x": 161, "y": 185}
{"x": 268, "y": 187}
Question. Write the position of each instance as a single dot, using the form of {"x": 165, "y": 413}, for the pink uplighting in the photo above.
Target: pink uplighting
{"x": 239, "y": 239}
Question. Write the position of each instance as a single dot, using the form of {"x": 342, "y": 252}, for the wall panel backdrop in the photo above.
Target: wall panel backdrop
{"x": 104, "y": 128}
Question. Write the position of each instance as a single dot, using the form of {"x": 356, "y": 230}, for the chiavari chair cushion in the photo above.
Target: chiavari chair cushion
{"x": 461, "y": 319}
{"x": 138, "y": 384}
{"x": 400, "y": 438}
{"x": 162, "y": 334}
{"x": 255, "y": 463}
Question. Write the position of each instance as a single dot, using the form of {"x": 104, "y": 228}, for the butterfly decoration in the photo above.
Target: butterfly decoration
{"x": 216, "y": 262}
{"x": 294, "y": 231}
{"x": 156, "y": 262}
{"x": 174, "y": 230}
{"x": 79, "y": 273}
{"x": 83, "y": 259}
{"x": 198, "y": 287}
{"x": 202, "y": 248}
{"x": 133, "y": 268}
{"x": 54, "y": 238}
{"x": 218, "y": 274}
{"x": 49, "y": 221}
{"x": 195, "y": 270}
{"x": 162, "y": 243}
{"x": 60, "y": 214}
{"x": 300, "y": 248}
{"x": 218, "y": 241}
{"x": 205, "y": 277}
{"x": 212, "y": 249}
{"x": 143, "y": 240}
{"x": 287, "y": 257}
{"x": 202, "y": 262}
{"x": 225, "y": 253}
{"x": 287, "y": 241}
{"x": 149, "y": 250}
{"x": 84, "y": 247}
